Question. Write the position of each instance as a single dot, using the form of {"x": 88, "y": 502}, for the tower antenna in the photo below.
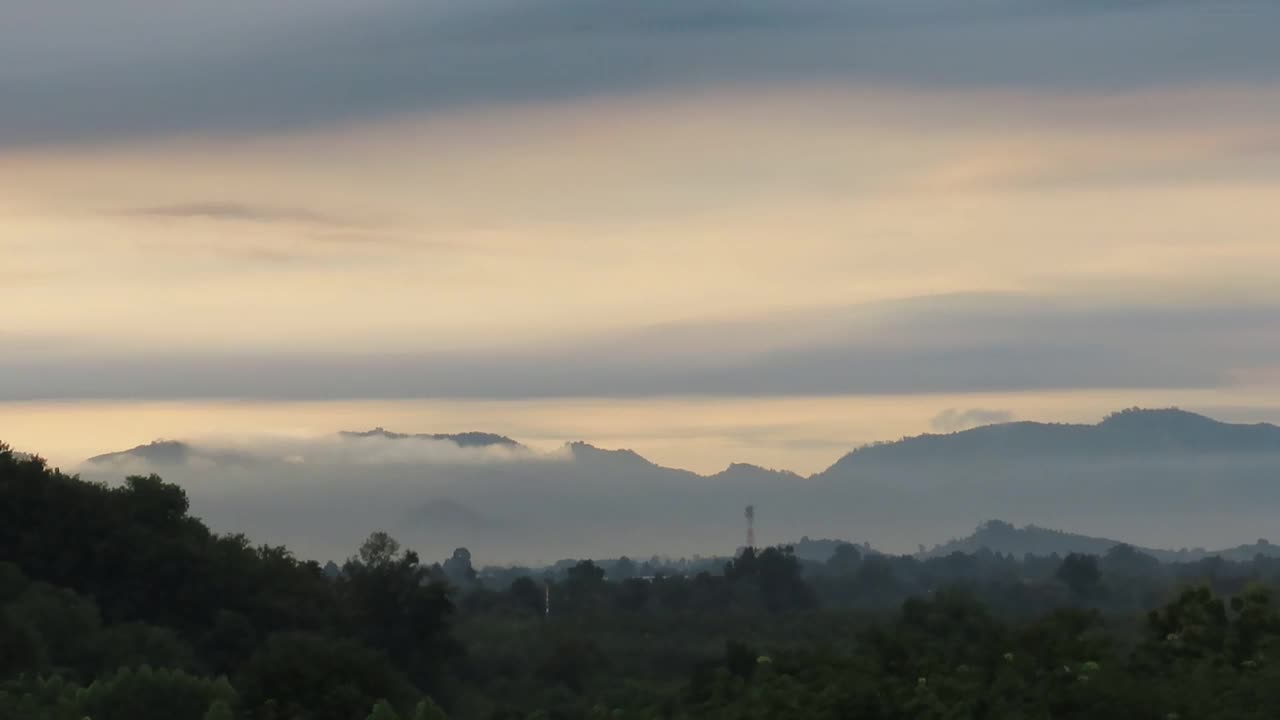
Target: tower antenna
{"x": 751, "y": 526}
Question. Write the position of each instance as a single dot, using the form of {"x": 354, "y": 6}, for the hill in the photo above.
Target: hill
{"x": 1156, "y": 478}
{"x": 1002, "y": 537}
{"x": 164, "y": 454}
{"x": 168, "y": 453}
{"x": 463, "y": 439}
{"x": 1131, "y": 432}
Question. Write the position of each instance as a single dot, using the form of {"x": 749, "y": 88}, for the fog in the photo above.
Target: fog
{"x": 509, "y": 504}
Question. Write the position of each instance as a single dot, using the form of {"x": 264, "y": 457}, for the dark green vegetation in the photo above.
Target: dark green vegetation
{"x": 116, "y": 603}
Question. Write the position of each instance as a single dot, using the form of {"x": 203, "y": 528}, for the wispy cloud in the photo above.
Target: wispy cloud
{"x": 952, "y": 420}
{"x": 240, "y": 212}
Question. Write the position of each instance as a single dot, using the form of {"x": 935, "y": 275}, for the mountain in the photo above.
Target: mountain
{"x": 170, "y": 453}
{"x": 1002, "y": 537}
{"x": 1129, "y": 432}
{"x": 587, "y": 452}
{"x": 744, "y": 472}
{"x": 160, "y": 452}
{"x": 1157, "y": 478}
{"x": 464, "y": 439}
{"x": 164, "y": 454}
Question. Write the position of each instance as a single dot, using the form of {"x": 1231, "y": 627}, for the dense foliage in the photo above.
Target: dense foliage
{"x": 116, "y": 603}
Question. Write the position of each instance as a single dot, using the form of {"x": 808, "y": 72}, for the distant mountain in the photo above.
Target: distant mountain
{"x": 1127, "y": 433}
{"x": 1002, "y": 537}
{"x": 1154, "y": 477}
{"x": 160, "y": 452}
{"x": 464, "y": 439}
{"x": 172, "y": 453}
{"x": 588, "y": 452}
{"x": 743, "y": 472}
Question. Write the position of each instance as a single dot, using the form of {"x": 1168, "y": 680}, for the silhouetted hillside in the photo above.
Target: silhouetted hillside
{"x": 1002, "y": 537}
{"x": 1126, "y": 433}
{"x": 587, "y": 452}
{"x": 1155, "y": 478}
{"x": 166, "y": 453}
{"x": 160, "y": 452}
{"x": 745, "y": 472}
{"x": 463, "y": 439}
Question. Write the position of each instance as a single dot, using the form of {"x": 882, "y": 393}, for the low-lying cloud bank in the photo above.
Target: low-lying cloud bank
{"x": 322, "y": 496}
{"x": 374, "y": 447}
{"x": 951, "y": 419}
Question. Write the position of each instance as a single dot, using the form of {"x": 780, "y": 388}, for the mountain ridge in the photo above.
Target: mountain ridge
{"x": 1132, "y": 431}
{"x": 470, "y": 438}
{"x": 1006, "y": 538}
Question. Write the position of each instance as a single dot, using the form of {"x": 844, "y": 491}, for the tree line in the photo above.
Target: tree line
{"x": 116, "y": 603}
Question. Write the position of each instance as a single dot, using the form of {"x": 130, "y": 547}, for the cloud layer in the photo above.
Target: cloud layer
{"x": 953, "y": 420}
{"x": 242, "y": 67}
{"x": 321, "y": 496}
{"x": 927, "y": 345}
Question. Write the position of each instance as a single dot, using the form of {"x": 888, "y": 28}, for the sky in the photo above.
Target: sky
{"x": 711, "y": 231}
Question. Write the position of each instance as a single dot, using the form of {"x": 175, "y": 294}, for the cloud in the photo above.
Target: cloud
{"x": 962, "y": 343}
{"x": 239, "y": 212}
{"x": 534, "y": 507}
{"x": 344, "y": 450}
{"x": 953, "y": 420}
{"x": 86, "y": 78}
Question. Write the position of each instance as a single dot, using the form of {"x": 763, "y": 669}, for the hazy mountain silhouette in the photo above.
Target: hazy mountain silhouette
{"x": 1157, "y": 478}
{"x": 170, "y": 453}
{"x": 163, "y": 453}
{"x": 587, "y": 452}
{"x": 160, "y": 452}
{"x": 746, "y": 472}
{"x": 1005, "y": 538}
{"x": 1128, "y": 432}
{"x": 463, "y": 439}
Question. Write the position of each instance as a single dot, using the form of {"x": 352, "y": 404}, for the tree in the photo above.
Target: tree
{"x": 399, "y": 608}
{"x": 378, "y": 550}
{"x": 624, "y": 569}
{"x": 155, "y": 502}
{"x": 147, "y": 694}
{"x": 321, "y": 678}
{"x": 219, "y": 710}
{"x": 586, "y": 574}
{"x": 383, "y": 711}
{"x": 844, "y": 559}
{"x": 1080, "y": 573}
{"x": 428, "y": 710}
{"x": 527, "y": 594}
{"x": 585, "y": 585}
{"x": 458, "y": 568}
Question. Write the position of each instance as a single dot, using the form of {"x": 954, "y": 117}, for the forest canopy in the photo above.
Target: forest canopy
{"x": 115, "y": 602}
